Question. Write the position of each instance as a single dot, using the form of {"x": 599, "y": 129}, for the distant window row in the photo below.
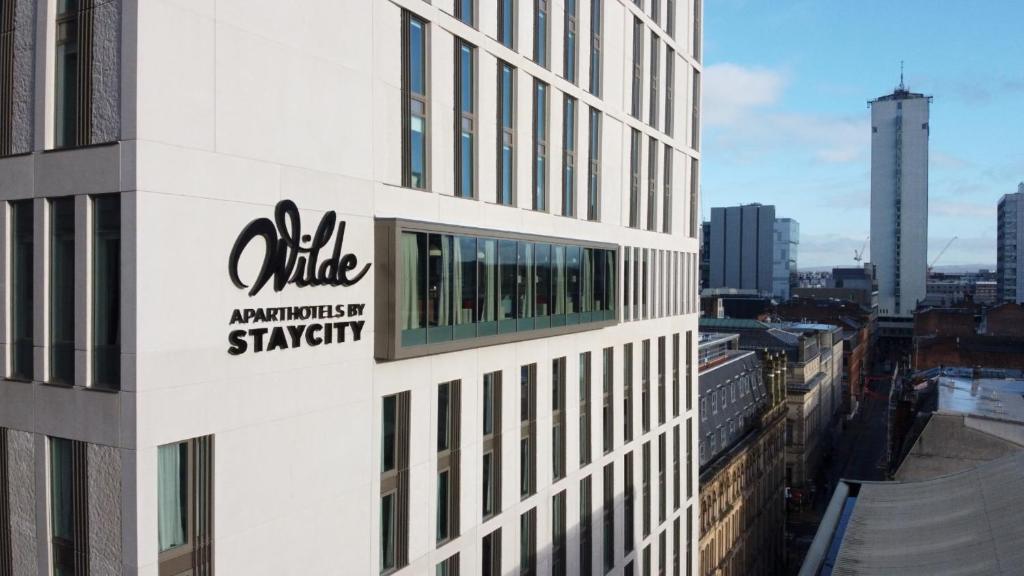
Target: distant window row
{"x": 658, "y": 283}
{"x": 57, "y": 253}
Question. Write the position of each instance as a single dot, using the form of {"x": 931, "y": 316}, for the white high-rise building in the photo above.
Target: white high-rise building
{"x": 899, "y": 199}
{"x": 349, "y": 287}
{"x": 1009, "y": 237}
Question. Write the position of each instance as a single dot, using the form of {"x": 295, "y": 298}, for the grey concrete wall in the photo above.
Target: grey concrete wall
{"x": 104, "y": 510}
{"x": 23, "y": 90}
{"x": 106, "y": 63}
{"x": 22, "y": 499}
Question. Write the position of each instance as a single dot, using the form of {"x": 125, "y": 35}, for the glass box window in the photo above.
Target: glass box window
{"x": 106, "y": 293}
{"x": 456, "y": 287}
{"x": 62, "y": 291}
{"x": 22, "y": 286}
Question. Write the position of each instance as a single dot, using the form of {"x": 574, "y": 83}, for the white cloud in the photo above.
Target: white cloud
{"x": 731, "y": 92}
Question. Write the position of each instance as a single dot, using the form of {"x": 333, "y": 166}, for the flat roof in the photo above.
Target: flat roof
{"x": 963, "y": 523}
{"x": 998, "y": 398}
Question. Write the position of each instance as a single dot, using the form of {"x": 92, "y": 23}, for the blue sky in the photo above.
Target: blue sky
{"x": 786, "y": 119}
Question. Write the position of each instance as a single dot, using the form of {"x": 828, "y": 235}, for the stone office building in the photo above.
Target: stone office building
{"x": 742, "y": 459}
{"x": 405, "y": 285}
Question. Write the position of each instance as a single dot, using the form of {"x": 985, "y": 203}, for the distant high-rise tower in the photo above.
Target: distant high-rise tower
{"x": 899, "y": 199}
{"x": 742, "y": 242}
{"x": 1010, "y": 236}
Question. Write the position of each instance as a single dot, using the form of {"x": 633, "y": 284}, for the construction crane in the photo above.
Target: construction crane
{"x": 941, "y": 252}
{"x": 858, "y": 255}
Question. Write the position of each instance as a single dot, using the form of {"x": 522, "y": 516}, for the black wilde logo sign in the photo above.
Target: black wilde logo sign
{"x": 287, "y": 261}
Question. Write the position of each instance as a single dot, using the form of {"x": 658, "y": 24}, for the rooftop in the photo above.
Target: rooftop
{"x": 994, "y": 398}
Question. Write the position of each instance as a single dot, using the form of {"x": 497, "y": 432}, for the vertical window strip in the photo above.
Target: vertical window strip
{"x": 465, "y": 118}
{"x": 627, "y": 506}
{"x": 394, "y": 490}
{"x": 570, "y": 49}
{"x": 7, "y": 31}
{"x": 558, "y": 431}
{"x": 6, "y": 552}
{"x": 540, "y": 144}
{"x": 569, "y": 156}
{"x": 73, "y": 74}
{"x": 694, "y": 185}
{"x": 415, "y": 103}
{"x": 541, "y": 32}
{"x": 676, "y": 478}
{"x": 585, "y": 408}
{"x": 634, "y": 179}
{"x": 22, "y": 286}
{"x": 653, "y": 109}
{"x": 528, "y": 431}
{"x": 490, "y": 564}
{"x": 608, "y": 517}
{"x": 697, "y": 28}
{"x": 638, "y": 66}
{"x": 627, "y": 393}
{"x": 62, "y": 291}
{"x": 449, "y": 426}
{"x": 586, "y": 526}
{"x": 507, "y": 132}
{"x": 106, "y": 281}
{"x": 528, "y": 543}
{"x": 465, "y": 10}
{"x": 608, "y": 399}
{"x": 652, "y": 184}
{"x": 69, "y": 505}
{"x": 645, "y": 474}
{"x": 491, "y": 462}
{"x": 670, "y": 90}
{"x": 670, "y": 18}
{"x": 666, "y": 186}
{"x": 596, "y": 23}
{"x": 507, "y": 23}
{"x": 695, "y": 121}
{"x": 594, "y": 164}
{"x": 558, "y": 534}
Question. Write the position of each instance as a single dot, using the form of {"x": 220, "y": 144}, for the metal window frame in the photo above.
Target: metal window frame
{"x": 450, "y": 460}
{"x": 507, "y": 134}
{"x": 653, "y": 108}
{"x": 510, "y": 34}
{"x": 464, "y": 119}
{"x": 586, "y": 393}
{"x": 541, "y": 143}
{"x": 670, "y": 92}
{"x": 195, "y": 557}
{"x": 569, "y": 154}
{"x": 542, "y": 8}
{"x": 596, "y": 57}
{"x": 571, "y": 26}
{"x": 594, "y": 164}
{"x": 635, "y": 154}
{"x": 652, "y": 184}
{"x": 638, "y": 68}
{"x": 409, "y": 98}
{"x": 666, "y": 187}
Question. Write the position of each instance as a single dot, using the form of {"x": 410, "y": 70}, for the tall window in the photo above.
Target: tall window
{"x": 185, "y": 511}
{"x": 662, "y": 399}
{"x": 652, "y": 184}
{"x": 465, "y": 10}
{"x": 670, "y": 18}
{"x": 62, "y": 291}
{"x": 491, "y": 464}
{"x": 695, "y": 120}
{"x": 558, "y": 526}
{"x": 662, "y": 552}
{"x": 540, "y": 144}
{"x": 694, "y": 185}
{"x": 608, "y": 517}
{"x": 689, "y": 539}
{"x": 645, "y": 474}
{"x": 608, "y": 399}
{"x": 465, "y": 98}
{"x": 654, "y": 110}
{"x": 558, "y": 417}
{"x": 697, "y": 28}
{"x": 22, "y": 285}
{"x": 627, "y": 392}
{"x": 415, "y": 102}
{"x": 68, "y": 498}
{"x": 394, "y": 482}
{"x": 670, "y": 90}
{"x": 645, "y": 386}
{"x": 541, "y": 32}
{"x": 662, "y": 478}
{"x": 507, "y": 23}
{"x": 490, "y": 554}
{"x": 507, "y": 132}
{"x": 634, "y": 178}
{"x": 570, "y": 49}
{"x": 528, "y": 430}
{"x": 586, "y": 525}
{"x": 627, "y": 302}
{"x": 638, "y": 66}
{"x": 676, "y": 484}
{"x": 676, "y": 538}
{"x": 594, "y": 165}
{"x": 689, "y": 369}
{"x": 595, "y": 47}
{"x": 689, "y": 457}
{"x": 569, "y": 156}
{"x": 72, "y": 73}
{"x": 449, "y": 566}
{"x": 449, "y": 481}
{"x": 585, "y": 418}
{"x": 666, "y": 187}
{"x": 528, "y": 543}
{"x": 106, "y": 291}
{"x": 627, "y": 503}
{"x": 675, "y": 375}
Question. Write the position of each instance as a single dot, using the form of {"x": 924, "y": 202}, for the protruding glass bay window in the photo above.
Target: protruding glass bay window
{"x": 446, "y": 287}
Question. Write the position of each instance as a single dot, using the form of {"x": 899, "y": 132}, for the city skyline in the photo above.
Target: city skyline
{"x": 790, "y": 126}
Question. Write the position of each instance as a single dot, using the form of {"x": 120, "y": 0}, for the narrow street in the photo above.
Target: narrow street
{"x": 858, "y": 454}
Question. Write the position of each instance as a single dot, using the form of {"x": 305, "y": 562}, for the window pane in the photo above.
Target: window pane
{"x": 443, "y": 416}
{"x": 487, "y": 268}
{"x": 574, "y": 281}
{"x": 22, "y": 286}
{"x": 389, "y": 416}
{"x": 107, "y": 291}
{"x": 417, "y": 60}
{"x": 387, "y": 531}
{"x": 507, "y": 252}
{"x": 442, "y": 505}
{"x": 62, "y": 291}
{"x": 542, "y": 258}
{"x": 414, "y": 288}
{"x": 439, "y": 287}
{"x": 526, "y": 280}
{"x": 172, "y": 495}
{"x": 559, "y": 282}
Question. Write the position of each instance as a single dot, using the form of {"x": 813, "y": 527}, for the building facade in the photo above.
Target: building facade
{"x": 899, "y": 199}
{"x": 784, "y": 257}
{"x": 742, "y": 247}
{"x": 742, "y": 490}
{"x": 409, "y": 284}
{"x": 1009, "y": 233}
